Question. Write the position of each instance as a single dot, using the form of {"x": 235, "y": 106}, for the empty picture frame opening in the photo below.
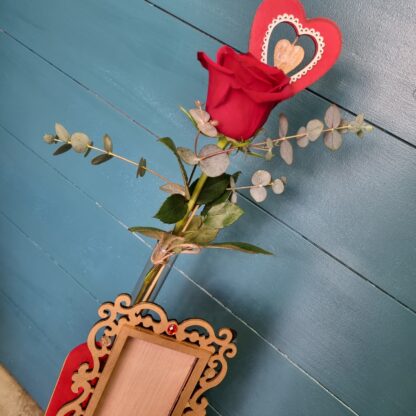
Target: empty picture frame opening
{"x": 147, "y": 375}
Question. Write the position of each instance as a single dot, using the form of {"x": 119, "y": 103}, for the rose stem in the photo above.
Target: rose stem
{"x": 195, "y": 194}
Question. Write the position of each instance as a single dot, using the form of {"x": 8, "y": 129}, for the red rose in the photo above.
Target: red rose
{"x": 242, "y": 91}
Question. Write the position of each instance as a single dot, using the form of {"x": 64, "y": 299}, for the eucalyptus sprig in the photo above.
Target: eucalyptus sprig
{"x": 199, "y": 209}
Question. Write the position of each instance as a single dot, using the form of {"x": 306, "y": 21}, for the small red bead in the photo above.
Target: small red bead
{"x": 172, "y": 329}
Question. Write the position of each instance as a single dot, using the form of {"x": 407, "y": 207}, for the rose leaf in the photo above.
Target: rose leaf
{"x": 243, "y": 247}
{"x": 173, "y": 209}
{"x": 151, "y": 232}
{"x": 223, "y": 215}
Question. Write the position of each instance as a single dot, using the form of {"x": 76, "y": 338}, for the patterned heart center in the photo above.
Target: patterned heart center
{"x": 287, "y": 56}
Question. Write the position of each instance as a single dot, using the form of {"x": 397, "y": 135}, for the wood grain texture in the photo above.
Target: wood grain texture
{"x": 322, "y": 334}
{"x": 303, "y": 292}
{"x": 151, "y": 386}
{"x": 375, "y": 73}
{"x": 374, "y": 174}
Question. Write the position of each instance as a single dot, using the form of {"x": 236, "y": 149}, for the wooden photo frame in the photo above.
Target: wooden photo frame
{"x": 146, "y": 364}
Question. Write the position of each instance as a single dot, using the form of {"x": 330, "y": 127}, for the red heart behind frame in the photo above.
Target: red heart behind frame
{"x": 324, "y": 32}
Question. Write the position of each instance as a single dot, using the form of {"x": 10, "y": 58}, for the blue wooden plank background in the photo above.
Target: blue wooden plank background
{"x": 327, "y": 326}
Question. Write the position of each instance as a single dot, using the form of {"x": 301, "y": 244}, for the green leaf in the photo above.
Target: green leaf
{"x": 169, "y": 143}
{"x": 151, "y": 232}
{"x": 173, "y": 209}
{"x": 212, "y": 189}
{"x": 222, "y": 197}
{"x": 203, "y": 235}
{"x": 141, "y": 169}
{"x": 243, "y": 247}
{"x": 223, "y": 215}
{"x": 101, "y": 159}
{"x": 62, "y": 149}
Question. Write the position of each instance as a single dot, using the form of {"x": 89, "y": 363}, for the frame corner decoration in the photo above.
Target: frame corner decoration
{"x": 120, "y": 317}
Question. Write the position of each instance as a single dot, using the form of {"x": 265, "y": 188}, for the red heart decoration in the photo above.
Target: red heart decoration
{"x": 324, "y": 32}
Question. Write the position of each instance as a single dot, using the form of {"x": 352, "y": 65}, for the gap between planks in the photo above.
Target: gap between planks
{"x": 140, "y": 125}
{"x": 182, "y": 273}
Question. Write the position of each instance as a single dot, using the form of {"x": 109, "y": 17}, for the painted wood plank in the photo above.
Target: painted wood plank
{"x": 322, "y": 281}
{"x": 377, "y": 36}
{"x": 43, "y": 290}
{"x": 26, "y": 353}
{"x": 198, "y": 302}
{"x": 361, "y": 177}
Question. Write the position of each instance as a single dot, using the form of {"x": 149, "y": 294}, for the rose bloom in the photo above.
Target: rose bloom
{"x": 242, "y": 91}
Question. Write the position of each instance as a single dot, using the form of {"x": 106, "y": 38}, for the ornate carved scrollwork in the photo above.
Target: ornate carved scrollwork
{"x": 152, "y": 317}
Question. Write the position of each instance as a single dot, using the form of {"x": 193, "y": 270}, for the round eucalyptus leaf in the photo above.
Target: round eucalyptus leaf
{"x": 208, "y": 129}
{"x": 259, "y": 194}
{"x": 278, "y": 186}
{"x": 314, "y": 129}
{"x": 61, "y": 132}
{"x": 215, "y": 165}
{"x": 333, "y": 140}
{"x": 187, "y": 155}
{"x": 80, "y": 142}
{"x": 286, "y": 151}
{"x": 48, "y": 138}
{"x": 333, "y": 117}
{"x": 261, "y": 177}
{"x": 302, "y": 141}
{"x": 199, "y": 115}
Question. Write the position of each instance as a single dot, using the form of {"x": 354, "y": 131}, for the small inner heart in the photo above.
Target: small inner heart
{"x": 287, "y": 55}
{"x": 291, "y": 52}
